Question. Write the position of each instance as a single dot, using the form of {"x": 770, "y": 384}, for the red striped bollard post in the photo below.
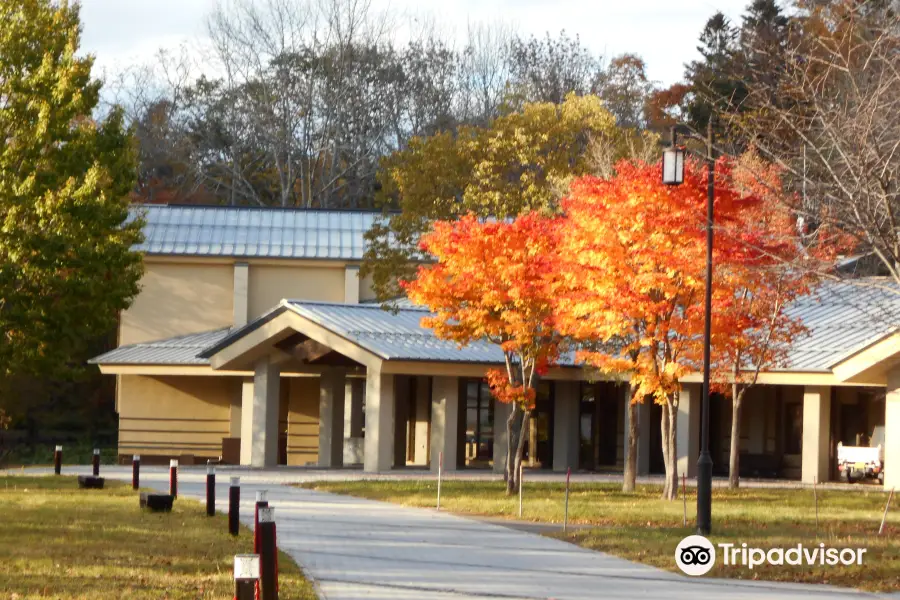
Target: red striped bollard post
{"x": 57, "y": 460}
{"x": 234, "y": 506}
{"x": 210, "y": 490}
{"x": 173, "y": 478}
{"x": 95, "y": 462}
{"x": 268, "y": 556}
{"x": 261, "y": 502}
{"x": 136, "y": 471}
{"x": 246, "y": 576}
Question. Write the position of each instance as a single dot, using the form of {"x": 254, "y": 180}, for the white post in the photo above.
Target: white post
{"x": 379, "y": 440}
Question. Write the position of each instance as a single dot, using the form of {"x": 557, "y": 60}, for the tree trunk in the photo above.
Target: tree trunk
{"x": 630, "y": 474}
{"x": 734, "y": 458}
{"x": 508, "y": 472}
{"x": 515, "y": 449}
{"x": 669, "y": 426}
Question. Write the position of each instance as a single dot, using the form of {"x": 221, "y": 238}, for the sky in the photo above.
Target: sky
{"x": 663, "y": 32}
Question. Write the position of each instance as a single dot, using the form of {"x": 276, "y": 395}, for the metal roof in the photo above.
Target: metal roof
{"x": 253, "y": 232}
{"x": 393, "y": 335}
{"x": 181, "y": 350}
{"x": 842, "y": 318}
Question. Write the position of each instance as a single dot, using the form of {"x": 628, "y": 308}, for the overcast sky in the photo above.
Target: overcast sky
{"x": 663, "y": 32}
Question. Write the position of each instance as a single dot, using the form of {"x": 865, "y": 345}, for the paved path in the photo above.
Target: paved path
{"x": 357, "y": 549}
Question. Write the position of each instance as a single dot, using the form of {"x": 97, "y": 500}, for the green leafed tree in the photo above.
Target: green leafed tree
{"x": 519, "y": 162}
{"x": 66, "y": 265}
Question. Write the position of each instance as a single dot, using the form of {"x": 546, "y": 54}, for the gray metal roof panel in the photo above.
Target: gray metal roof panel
{"x": 253, "y": 232}
{"x": 842, "y": 318}
{"x": 180, "y": 350}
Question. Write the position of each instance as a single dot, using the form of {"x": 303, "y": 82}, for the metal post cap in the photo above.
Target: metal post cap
{"x": 246, "y": 567}
{"x": 235, "y": 481}
{"x": 266, "y": 514}
{"x": 136, "y": 458}
{"x": 59, "y": 448}
{"x": 173, "y": 463}
{"x": 261, "y": 496}
{"x": 96, "y": 451}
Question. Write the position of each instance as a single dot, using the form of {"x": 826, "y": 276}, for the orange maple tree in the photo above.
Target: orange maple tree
{"x": 635, "y": 251}
{"x": 756, "y": 330}
{"x": 495, "y": 281}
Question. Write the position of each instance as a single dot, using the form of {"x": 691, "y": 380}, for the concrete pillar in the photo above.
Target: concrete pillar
{"x": 354, "y": 391}
{"x": 401, "y": 419}
{"x": 246, "y": 419}
{"x": 379, "y": 444}
{"x": 444, "y": 421}
{"x": 501, "y": 439}
{"x": 259, "y": 416}
{"x": 816, "y": 433}
{"x": 688, "y": 437}
{"x": 240, "y": 301}
{"x": 644, "y": 424}
{"x": 331, "y": 419}
{"x": 423, "y": 400}
{"x": 351, "y": 284}
{"x": 565, "y": 425}
{"x": 892, "y": 430}
{"x": 234, "y": 413}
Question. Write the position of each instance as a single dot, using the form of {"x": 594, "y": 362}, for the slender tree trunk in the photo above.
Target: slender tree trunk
{"x": 515, "y": 449}
{"x": 734, "y": 458}
{"x": 630, "y": 474}
{"x": 508, "y": 472}
{"x": 668, "y": 427}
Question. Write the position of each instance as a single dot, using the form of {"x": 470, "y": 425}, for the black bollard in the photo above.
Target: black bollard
{"x": 136, "y": 471}
{"x": 246, "y": 575}
{"x": 210, "y": 490}
{"x": 261, "y": 502}
{"x": 234, "y": 505}
{"x": 57, "y": 460}
{"x": 173, "y": 478}
{"x": 268, "y": 556}
{"x": 95, "y": 462}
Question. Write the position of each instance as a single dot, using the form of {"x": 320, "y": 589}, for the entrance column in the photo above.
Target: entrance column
{"x": 354, "y": 390}
{"x": 892, "y": 429}
{"x": 331, "y": 418}
{"x": 565, "y": 426}
{"x": 643, "y": 441}
{"x": 260, "y": 402}
{"x": 688, "y": 439}
{"x": 816, "y": 433}
{"x": 379, "y": 440}
{"x": 423, "y": 399}
{"x": 444, "y": 421}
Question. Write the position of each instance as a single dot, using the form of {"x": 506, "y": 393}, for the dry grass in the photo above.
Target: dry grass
{"x": 60, "y": 542}
{"x": 643, "y": 528}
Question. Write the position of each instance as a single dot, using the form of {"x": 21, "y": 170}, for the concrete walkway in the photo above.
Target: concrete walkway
{"x": 358, "y": 549}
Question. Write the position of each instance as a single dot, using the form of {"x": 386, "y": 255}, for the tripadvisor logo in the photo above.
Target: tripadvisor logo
{"x": 696, "y": 555}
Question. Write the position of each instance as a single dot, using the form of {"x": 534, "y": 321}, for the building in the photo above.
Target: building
{"x": 253, "y": 340}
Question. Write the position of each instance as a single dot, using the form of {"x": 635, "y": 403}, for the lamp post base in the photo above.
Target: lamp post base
{"x": 704, "y": 493}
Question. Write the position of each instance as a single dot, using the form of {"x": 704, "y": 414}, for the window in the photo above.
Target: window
{"x": 793, "y": 429}
{"x": 479, "y": 421}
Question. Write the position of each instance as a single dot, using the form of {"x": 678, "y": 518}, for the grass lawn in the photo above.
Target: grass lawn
{"x": 57, "y": 541}
{"x": 643, "y": 528}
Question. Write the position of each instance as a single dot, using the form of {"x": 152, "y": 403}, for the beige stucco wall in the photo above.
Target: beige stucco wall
{"x": 174, "y": 416}
{"x": 179, "y": 298}
{"x": 269, "y": 284}
{"x": 302, "y": 420}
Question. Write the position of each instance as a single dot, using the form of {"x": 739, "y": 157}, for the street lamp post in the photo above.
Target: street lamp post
{"x": 673, "y": 174}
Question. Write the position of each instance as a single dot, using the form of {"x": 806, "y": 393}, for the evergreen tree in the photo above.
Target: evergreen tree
{"x": 715, "y": 86}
